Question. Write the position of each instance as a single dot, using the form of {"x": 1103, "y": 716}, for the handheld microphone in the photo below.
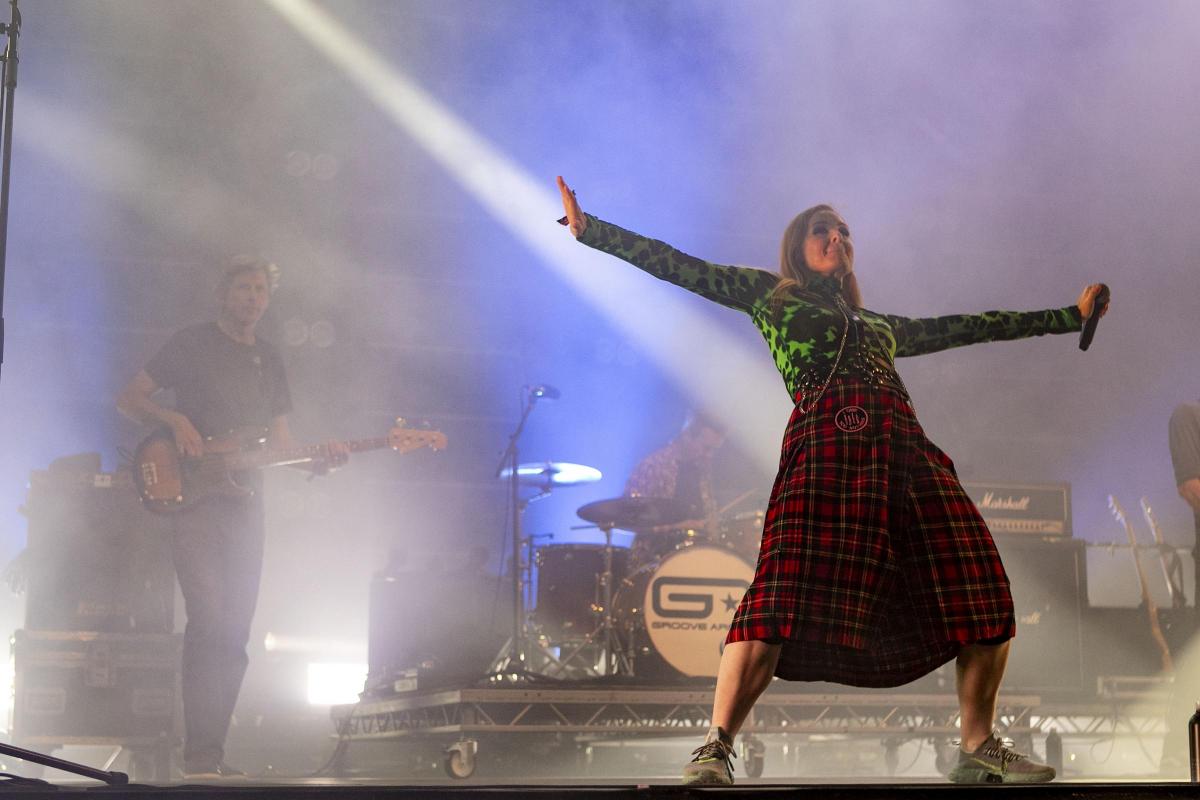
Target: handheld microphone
{"x": 1089, "y": 327}
{"x": 544, "y": 391}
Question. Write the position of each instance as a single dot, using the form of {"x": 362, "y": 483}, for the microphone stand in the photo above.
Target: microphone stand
{"x": 12, "y": 30}
{"x": 511, "y": 662}
{"x": 8, "y": 88}
{"x": 111, "y": 778}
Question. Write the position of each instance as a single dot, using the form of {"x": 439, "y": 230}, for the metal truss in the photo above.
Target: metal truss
{"x": 659, "y": 712}
{"x": 1104, "y": 722}
{"x": 460, "y": 719}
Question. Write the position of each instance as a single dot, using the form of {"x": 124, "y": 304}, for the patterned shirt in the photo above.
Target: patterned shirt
{"x": 667, "y": 472}
{"x": 805, "y": 329}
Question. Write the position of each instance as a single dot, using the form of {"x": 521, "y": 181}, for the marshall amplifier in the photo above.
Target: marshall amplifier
{"x": 1035, "y": 509}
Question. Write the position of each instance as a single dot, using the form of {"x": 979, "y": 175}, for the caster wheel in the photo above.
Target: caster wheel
{"x": 459, "y": 760}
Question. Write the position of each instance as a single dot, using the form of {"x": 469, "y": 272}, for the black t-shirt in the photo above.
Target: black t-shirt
{"x": 1184, "y": 433}
{"x": 222, "y": 385}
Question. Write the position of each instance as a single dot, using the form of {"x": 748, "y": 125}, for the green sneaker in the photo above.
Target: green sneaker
{"x": 995, "y": 762}
{"x": 712, "y": 765}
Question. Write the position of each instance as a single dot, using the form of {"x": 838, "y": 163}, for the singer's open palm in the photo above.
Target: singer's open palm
{"x": 576, "y": 221}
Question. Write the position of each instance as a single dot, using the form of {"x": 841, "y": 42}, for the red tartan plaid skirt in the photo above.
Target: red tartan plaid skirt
{"x": 875, "y": 567}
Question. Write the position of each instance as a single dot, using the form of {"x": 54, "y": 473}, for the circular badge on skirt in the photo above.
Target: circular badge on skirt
{"x": 851, "y": 419}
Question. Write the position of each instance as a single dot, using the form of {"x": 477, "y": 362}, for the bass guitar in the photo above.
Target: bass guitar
{"x": 167, "y": 481}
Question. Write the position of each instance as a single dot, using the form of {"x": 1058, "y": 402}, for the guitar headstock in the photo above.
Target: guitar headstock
{"x": 403, "y": 439}
{"x": 1118, "y": 512}
{"x": 1148, "y": 513}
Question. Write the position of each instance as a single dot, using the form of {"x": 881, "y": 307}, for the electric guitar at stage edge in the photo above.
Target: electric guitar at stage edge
{"x": 167, "y": 481}
{"x": 1168, "y": 557}
{"x": 1164, "y": 651}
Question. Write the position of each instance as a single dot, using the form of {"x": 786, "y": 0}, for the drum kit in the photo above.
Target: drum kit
{"x": 600, "y": 613}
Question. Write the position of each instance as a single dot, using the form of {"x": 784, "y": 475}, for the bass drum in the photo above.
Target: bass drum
{"x": 673, "y": 615}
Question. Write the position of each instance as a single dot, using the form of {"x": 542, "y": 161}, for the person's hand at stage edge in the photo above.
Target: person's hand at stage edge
{"x": 575, "y": 220}
{"x": 1087, "y": 301}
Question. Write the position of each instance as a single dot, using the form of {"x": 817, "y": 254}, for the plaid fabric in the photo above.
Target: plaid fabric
{"x": 875, "y": 566}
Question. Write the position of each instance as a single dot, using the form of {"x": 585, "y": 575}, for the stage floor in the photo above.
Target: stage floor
{"x": 318, "y": 789}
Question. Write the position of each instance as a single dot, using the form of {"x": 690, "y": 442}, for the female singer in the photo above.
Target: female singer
{"x": 875, "y": 567}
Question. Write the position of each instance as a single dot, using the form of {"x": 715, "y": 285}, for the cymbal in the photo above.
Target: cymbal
{"x": 634, "y": 513}
{"x": 548, "y": 474}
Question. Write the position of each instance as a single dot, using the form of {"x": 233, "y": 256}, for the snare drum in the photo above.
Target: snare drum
{"x": 569, "y": 593}
{"x": 674, "y": 614}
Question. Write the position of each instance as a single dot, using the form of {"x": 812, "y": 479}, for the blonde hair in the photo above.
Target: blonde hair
{"x": 794, "y": 270}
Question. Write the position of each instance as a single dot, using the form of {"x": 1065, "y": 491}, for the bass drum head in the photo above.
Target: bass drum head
{"x": 676, "y": 613}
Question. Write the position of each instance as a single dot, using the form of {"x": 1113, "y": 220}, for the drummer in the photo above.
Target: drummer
{"x": 681, "y": 470}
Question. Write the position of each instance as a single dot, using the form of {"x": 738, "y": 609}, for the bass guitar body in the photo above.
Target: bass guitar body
{"x": 167, "y": 481}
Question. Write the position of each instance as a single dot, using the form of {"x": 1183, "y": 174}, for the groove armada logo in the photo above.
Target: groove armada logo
{"x": 694, "y": 605}
{"x": 689, "y": 604}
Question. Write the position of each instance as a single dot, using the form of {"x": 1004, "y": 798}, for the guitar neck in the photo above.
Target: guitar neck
{"x": 297, "y": 455}
{"x": 1168, "y": 664}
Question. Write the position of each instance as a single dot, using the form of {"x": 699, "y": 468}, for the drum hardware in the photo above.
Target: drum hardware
{"x": 741, "y": 533}
{"x": 627, "y": 513}
{"x": 613, "y": 659}
{"x": 666, "y": 620}
{"x": 512, "y": 662}
{"x": 569, "y": 589}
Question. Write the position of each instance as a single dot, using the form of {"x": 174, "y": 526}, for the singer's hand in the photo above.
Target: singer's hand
{"x": 576, "y": 221}
{"x": 1087, "y": 301}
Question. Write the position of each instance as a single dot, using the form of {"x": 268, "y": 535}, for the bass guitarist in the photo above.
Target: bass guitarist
{"x": 224, "y": 377}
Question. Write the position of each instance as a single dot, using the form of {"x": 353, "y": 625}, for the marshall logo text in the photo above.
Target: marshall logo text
{"x": 992, "y": 502}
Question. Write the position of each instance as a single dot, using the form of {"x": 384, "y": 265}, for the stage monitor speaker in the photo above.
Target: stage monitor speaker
{"x": 446, "y": 622}
{"x": 1049, "y": 588}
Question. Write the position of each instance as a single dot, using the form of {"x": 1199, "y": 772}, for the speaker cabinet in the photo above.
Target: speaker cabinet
{"x": 445, "y": 623}
{"x": 1049, "y": 588}
{"x": 96, "y": 560}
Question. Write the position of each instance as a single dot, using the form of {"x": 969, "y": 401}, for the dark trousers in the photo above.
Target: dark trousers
{"x": 218, "y": 552}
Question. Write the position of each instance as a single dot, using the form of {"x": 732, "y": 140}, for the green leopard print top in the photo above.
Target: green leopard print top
{"x": 804, "y": 331}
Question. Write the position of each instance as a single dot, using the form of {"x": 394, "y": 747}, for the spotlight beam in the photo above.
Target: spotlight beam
{"x": 736, "y": 383}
